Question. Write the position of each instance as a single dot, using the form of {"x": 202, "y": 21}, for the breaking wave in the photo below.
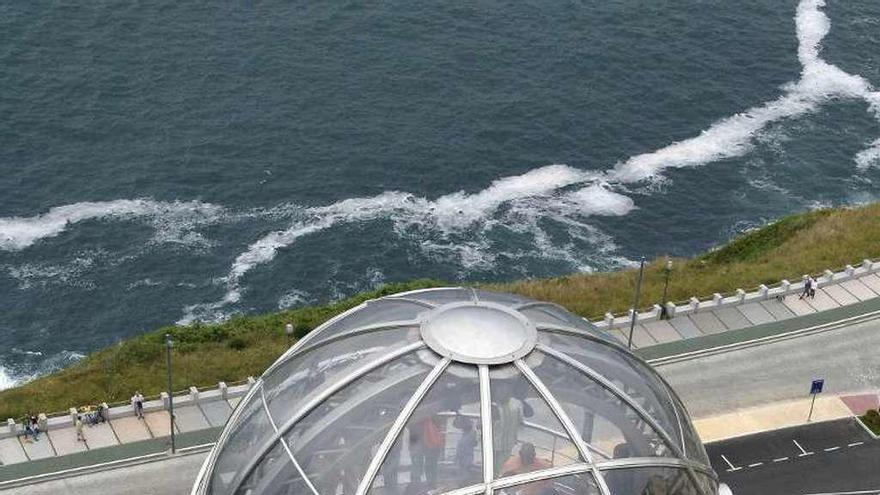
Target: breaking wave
{"x": 173, "y": 221}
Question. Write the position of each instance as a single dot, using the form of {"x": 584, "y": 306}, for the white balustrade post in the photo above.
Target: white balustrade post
{"x": 829, "y": 276}
{"x": 717, "y": 300}
{"x": 764, "y": 290}
{"x": 740, "y": 296}
{"x": 670, "y": 310}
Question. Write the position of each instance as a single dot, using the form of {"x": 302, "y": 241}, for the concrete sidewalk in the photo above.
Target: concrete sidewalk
{"x": 196, "y": 412}
{"x": 744, "y": 310}
{"x": 769, "y": 417}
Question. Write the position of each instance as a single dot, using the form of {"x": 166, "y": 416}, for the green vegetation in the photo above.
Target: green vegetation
{"x": 243, "y": 346}
{"x": 872, "y": 420}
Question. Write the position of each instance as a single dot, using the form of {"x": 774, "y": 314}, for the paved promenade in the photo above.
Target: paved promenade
{"x": 743, "y": 310}
{"x": 195, "y": 413}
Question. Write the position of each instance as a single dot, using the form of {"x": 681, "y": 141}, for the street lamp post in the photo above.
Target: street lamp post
{"x": 635, "y": 309}
{"x": 668, "y": 269}
{"x": 168, "y": 345}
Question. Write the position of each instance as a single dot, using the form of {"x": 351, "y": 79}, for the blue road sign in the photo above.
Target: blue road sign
{"x": 816, "y": 388}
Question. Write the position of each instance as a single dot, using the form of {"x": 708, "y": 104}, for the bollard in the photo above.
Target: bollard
{"x": 43, "y": 422}
{"x": 850, "y": 270}
{"x": 786, "y": 286}
{"x": 764, "y": 290}
{"x": 867, "y": 264}
{"x": 251, "y": 381}
{"x": 695, "y": 304}
{"x": 609, "y": 320}
{"x": 670, "y": 310}
{"x": 717, "y": 300}
{"x": 829, "y": 275}
{"x": 740, "y": 295}
{"x": 73, "y": 414}
{"x": 13, "y": 428}
{"x": 166, "y": 401}
{"x": 224, "y": 390}
{"x": 288, "y": 329}
{"x": 194, "y": 394}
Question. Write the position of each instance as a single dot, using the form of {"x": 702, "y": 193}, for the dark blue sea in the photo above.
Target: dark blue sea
{"x": 165, "y": 162}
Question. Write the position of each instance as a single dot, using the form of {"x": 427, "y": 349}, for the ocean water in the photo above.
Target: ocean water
{"x": 163, "y": 162}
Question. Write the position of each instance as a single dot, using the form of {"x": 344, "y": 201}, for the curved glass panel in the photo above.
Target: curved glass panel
{"x": 441, "y": 296}
{"x": 649, "y": 481}
{"x": 308, "y": 372}
{"x": 572, "y": 484}
{"x": 441, "y": 448}
{"x": 375, "y": 312}
{"x": 694, "y": 449}
{"x": 633, "y": 377}
{"x": 246, "y": 437}
{"x": 526, "y": 435}
{"x": 608, "y": 424}
{"x": 501, "y": 298}
{"x": 706, "y": 483}
{"x": 335, "y": 442}
{"x": 554, "y": 315}
{"x": 276, "y": 475}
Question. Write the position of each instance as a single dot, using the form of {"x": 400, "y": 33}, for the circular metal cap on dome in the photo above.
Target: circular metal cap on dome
{"x": 478, "y": 333}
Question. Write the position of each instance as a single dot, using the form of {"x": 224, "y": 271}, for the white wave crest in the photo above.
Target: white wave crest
{"x": 173, "y": 220}
{"x": 869, "y": 157}
{"x": 733, "y": 136}
{"x": 6, "y": 380}
{"x": 34, "y": 368}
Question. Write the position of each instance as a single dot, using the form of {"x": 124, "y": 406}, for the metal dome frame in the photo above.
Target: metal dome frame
{"x": 589, "y": 465}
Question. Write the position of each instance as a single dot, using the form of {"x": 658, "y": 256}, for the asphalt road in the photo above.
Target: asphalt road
{"x": 168, "y": 477}
{"x": 845, "y": 357}
{"x": 832, "y": 457}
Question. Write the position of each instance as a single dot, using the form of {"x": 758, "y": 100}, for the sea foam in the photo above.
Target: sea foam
{"x": 173, "y": 220}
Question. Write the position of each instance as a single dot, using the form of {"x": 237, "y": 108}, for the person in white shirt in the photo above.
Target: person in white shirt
{"x": 137, "y": 402}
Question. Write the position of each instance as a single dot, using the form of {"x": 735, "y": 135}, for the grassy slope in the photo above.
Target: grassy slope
{"x": 205, "y": 354}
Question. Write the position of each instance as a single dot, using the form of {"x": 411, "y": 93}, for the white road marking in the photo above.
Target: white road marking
{"x": 831, "y": 449}
{"x": 756, "y": 464}
{"x": 781, "y": 459}
{"x": 732, "y": 467}
{"x": 803, "y": 452}
{"x": 856, "y": 444}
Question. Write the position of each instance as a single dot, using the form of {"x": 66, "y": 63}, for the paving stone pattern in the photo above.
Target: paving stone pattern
{"x": 707, "y": 321}
{"x": 121, "y": 430}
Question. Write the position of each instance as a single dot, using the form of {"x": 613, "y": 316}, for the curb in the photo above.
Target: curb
{"x": 686, "y": 356}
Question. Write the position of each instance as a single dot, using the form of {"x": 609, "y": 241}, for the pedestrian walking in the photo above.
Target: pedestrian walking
{"x": 79, "y": 429}
{"x": 137, "y": 402}
{"x": 808, "y": 287}
{"x": 813, "y": 285}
